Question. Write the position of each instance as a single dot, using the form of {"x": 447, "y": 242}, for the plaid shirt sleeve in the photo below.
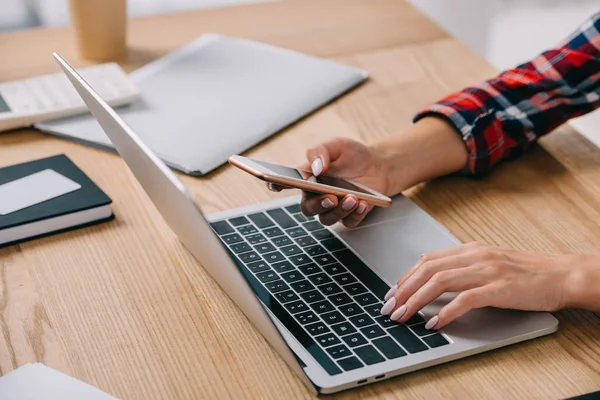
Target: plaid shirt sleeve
{"x": 502, "y": 117}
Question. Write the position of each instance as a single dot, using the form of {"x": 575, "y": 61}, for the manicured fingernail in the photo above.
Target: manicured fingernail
{"x": 390, "y": 292}
{"x": 361, "y": 208}
{"x": 432, "y": 322}
{"x": 326, "y": 203}
{"x": 388, "y": 306}
{"x": 398, "y": 313}
{"x": 317, "y": 166}
{"x": 348, "y": 203}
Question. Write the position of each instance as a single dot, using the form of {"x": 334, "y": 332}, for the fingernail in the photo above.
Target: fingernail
{"x": 272, "y": 188}
{"x": 326, "y": 203}
{"x": 361, "y": 208}
{"x": 432, "y": 322}
{"x": 398, "y": 313}
{"x": 317, "y": 166}
{"x": 390, "y": 292}
{"x": 348, "y": 203}
{"x": 388, "y": 306}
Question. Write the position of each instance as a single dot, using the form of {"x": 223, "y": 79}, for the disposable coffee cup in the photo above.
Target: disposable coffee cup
{"x": 100, "y": 28}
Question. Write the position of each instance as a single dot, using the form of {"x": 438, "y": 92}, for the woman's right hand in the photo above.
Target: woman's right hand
{"x": 347, "y": 159}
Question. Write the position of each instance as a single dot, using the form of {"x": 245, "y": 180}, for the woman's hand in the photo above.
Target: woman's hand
{"x": 490, "y": 276}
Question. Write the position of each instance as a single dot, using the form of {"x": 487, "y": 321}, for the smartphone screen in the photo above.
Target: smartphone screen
{"x": 308, "y": 176}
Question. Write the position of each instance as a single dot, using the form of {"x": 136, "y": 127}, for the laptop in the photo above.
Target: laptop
{"x": 315, "y": 293}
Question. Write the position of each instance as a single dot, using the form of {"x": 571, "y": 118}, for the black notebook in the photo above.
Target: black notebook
{"x": 47, "y": 196}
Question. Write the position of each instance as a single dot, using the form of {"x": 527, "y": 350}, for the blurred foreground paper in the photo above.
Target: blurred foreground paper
{"x": 37, "y": 382}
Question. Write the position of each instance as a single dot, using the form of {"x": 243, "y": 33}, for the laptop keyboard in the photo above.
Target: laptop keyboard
{"x": 320, "y": 290}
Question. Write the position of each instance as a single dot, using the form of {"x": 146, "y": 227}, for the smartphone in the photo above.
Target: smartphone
{"x": 305, "y": 180}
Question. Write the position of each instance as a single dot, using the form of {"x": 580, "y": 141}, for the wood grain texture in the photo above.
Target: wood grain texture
{"x": 126, "y": 308}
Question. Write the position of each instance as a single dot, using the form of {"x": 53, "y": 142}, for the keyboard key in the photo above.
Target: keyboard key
{"x": 300, "y": 259}
{"x": 282, "y": 241}
{"x": 231, "y": 239}
{"x": 407, "y": 339}
{"x": 362, "y": 272}
{"x": 313, "y": 226}
{"x": 436, "y": 340}
{"x": 317, "y": 328}
{"x": 300, "y": 218}
{"x": 261, "y": 220}
{"x": 239, "y": 221}
{"x": 344, "y": 328}
{"x": 264, "y": 248}
{"x": 366, "y": 299}
{"x": 322, "y": 234}
{"x": 350, "y": 363}
{"x": 290, "y": 250}
{"x": 302, "y": 286}
{"x": 374, "y": 310}
{"x": 344, "y": 279}
{"x": 334, "y": 269}
{"x": 333, "y": 317}
{"x": 388, "y": 347}
{"x": 361, "y": 320}
{"x": 256, "y": 239}
{"x": 293, "y": 209}
{"x": 351, "y": 309}
{"x": 267, "y": 276}
{"x": 257, "y": 266}
{"x": 319, "y": 279}
{"x": 369, "y": 355}
{"x": 339, "y": 299}
{"x": 274, "y": 257}
{"x": 240, "y": 247}
{"x": 296, "y": 232}
{"x": 328, "y": 339}
{"x": 272, "y": 232}
{"x": 333, "y": 244}
{"x": 312, "y": 296}
{"x": 296, "y": 307}
{"x": 372, "y": 332}
{"x": 354, "y": 340}
{"x": 292, "y": 276}
{"x": 420, "y": 330}
{"x": 309, "y": 269}
{"x": 305, "y": 241}
{"x": 415, "y": 319}
{"x": 283, "y": 266}
{"x": 306, "y": 317}
{"x": 330, "y": 288}
{"x": 324, "y": 259}
{"x": 276, "y": 286}
{"x": 222, "y": 228}
{"x": 286, "y": 296}
{"x": 385, "y": 321}
{"x": 247, "y": 230}
{"x": 249, "y": 257}
{"x": 355, "y": 288}
{"x": 316, "y": 250}
{"x": 322, "y": 307}
{"x": 282, "y": 218}
{"x": 339, "y": 351}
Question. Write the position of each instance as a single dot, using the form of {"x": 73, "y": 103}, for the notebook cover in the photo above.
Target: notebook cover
{"x": 87, "y": 197}
{"x": 218, "y": 96}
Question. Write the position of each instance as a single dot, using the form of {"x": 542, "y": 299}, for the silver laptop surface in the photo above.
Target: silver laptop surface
{"x": 313, "y": 292}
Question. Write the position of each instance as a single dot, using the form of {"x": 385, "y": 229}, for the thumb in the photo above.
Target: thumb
{"x": 322, "y": 155}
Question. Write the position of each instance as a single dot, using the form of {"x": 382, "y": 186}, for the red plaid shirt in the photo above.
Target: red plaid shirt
{"x": 502, "y": 117}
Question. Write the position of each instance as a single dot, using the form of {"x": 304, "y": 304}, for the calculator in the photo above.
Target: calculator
{"x": 29, "y": 101}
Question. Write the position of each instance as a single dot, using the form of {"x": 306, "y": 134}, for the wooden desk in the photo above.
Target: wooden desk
{"x": 125, "y": 307}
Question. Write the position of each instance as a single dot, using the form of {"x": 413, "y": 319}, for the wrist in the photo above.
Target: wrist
{"x": 580, "y": 288}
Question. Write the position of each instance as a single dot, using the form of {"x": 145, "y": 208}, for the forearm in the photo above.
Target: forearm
{"x": 582, "y": 285}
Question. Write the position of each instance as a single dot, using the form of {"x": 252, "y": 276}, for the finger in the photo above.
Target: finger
{"x": 355, "y": 218}
{"x": 313, "y": 204}
{"x": 471, "y": 299}
{"x": 344, "y": 208}
{"x": 320, "y": 156}
{"x": 454, "y": 280}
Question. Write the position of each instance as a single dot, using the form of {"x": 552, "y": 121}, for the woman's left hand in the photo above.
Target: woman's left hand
{"x": 489, "y": 276}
